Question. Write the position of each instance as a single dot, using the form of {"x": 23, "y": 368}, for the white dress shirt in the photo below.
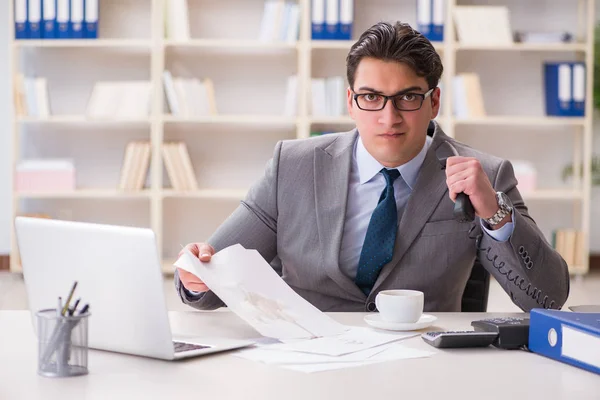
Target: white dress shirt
{"x": 364, "y": 189}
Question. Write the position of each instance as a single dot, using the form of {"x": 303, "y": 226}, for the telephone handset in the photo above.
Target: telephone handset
{"x": 464, "y": 212}
{"x": 463, "y": 208}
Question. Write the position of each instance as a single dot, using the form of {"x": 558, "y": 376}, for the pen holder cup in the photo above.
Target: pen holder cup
{"x": 62, "y": 344}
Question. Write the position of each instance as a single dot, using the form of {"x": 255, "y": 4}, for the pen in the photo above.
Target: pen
{"x": 74, "y": 308}
{"x": 84, "y": 309}
{"x": 66, "y": 306}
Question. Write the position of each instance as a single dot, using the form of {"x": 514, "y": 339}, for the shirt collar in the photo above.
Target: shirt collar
{"x": 368, "y": 166}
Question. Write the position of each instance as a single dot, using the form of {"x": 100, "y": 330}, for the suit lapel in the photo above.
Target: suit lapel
{"x": 426, "y": 195}
{"x": 331, "y": 176}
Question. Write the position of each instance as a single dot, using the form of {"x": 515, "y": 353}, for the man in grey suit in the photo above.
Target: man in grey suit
{"x": 344, "y": 216}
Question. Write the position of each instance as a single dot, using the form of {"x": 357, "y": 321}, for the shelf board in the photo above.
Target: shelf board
{"x": 86, "y": 194}
{"x": 81, "y": 119}
{"x": 232, "y": 119}
{"x": 220, "y": 44}
{"x": 109, "y": 43}
{"x": 555, "y": 47}
{"x": 221, "y": 194}
{"x": 343, "y": 120}
{"x": 347, "y": 44}
{"x": 522, "y": 121}
{"x": 553, "y": 194}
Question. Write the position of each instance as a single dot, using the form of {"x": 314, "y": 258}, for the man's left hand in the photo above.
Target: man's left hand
{"x": 465, "y": 174}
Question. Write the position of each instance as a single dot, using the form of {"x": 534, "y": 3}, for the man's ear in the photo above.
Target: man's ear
{"x": 435, "y": 102}
{"x": 349, "y": 102}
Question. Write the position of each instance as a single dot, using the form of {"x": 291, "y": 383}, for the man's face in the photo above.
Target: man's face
{"x": 392, "y": 137}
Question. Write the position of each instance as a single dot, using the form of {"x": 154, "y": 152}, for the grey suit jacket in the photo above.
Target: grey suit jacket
{"x": 294, "y": 217}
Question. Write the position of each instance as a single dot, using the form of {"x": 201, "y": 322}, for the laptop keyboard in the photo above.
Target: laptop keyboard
{"x": 181, "y": 347}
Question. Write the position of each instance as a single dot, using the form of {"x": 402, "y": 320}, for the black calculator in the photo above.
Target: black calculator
{"x": 459, "y": 339}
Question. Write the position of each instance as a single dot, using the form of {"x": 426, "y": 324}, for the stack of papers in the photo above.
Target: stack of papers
{"x": 306, "y": 339}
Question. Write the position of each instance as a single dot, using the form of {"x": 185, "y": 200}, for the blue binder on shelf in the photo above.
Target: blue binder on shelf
{"x": 332, "y": 19}
{"x": 91, "y": 19}
{"x": 20, "y": 15}
{"x": 317, "y": 19}
{"x": 346, "y": 19}
{"x": 63, "y": 14}
{"x": 565, "y": 88}
{"x": 569, "y": 337}
{"x": 430, "y": 19}
{"x": 76, "y": 19}
{"x": 34, "y": 18}
{"x": 49, "y": 19}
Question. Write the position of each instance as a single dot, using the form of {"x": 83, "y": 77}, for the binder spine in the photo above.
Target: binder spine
{"x": 346, "y": 19}
{"x": 318, "y": 19}
{"x": 20, "y": 15}
{"x": 34, "y": 19}
{"x": 76, "y": 20}
{"x": 332, "y": 19}
{"x": 62, "y": 19}
{"x": 91, "y": 19}
{"x": 49, "y": 18}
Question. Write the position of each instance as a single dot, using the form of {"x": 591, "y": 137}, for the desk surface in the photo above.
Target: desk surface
{"x": 450, "y": 374}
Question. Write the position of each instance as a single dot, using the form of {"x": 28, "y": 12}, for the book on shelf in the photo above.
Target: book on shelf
{"x": 189, "y": 97}
{"x": 134, "y": 170}
{"x": 547, "y": 37}
{"x": 45, "y": 175}
{"x": 280, "y": 22}
{"x": 291, "y": 97}
{"x": 467, "y": 96}
{"x": 31, "y": 97}
{"x": 179, "y": 166}
{"x": 332, "y": 19}
{"x": 328, "y": 96}
{"x": 177, "y": 24}
{"x": 570, "y": 244}
{"x": 120, "y": 100}
{"x": 483, "y": 25}
{"x": 430, "y": 19}
{"x": 565, "y": 86}
{"x": 56, "y": 19}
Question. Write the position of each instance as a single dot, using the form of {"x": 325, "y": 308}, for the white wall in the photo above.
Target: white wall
{"x": 5, "y": 132}
{"x": 494, "y": 83}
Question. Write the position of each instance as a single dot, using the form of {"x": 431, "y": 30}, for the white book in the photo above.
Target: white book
{"x": 291, "y": 97}
{"x": 293, "y": 27}
{"x": 188, "y": 169}
{"x": 201, "y": 97}
{"x": 459, "y": 97}
{"x": 190, "y": 95}
{"x": 127, "y": 165}
{"x": 483, "y": 25}
{"x": 178, "y": 25}
{"x": 133, "y": 100}
{"x": 336, "y": 96}
{"x": 31, "y": 97}
{"x": 104, "y": 100}
{"x": 267, "y": 24}
{"x": 278, "y": 20}
{"x": 43, "y": 103}
{"x": 170, "y": 93}
{"x": 142, "y": 173}
{"x": 319, "y": 97}
{"x": 281, "y": 34}
{"x": 209, "y": 86}
{"x": 179, "y": 85}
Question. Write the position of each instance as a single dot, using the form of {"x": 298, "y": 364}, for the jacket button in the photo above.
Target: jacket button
{"x": 521, "y": 250}
{"x": 371, "y": 307}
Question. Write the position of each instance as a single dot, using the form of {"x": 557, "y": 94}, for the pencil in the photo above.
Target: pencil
{"x": 66, "y": 306}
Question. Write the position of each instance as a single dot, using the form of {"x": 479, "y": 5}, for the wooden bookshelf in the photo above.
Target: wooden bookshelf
{"x": 247, "y": 73}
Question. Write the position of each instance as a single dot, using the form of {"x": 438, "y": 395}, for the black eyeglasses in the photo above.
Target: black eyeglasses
{"x": 402, "y": 102}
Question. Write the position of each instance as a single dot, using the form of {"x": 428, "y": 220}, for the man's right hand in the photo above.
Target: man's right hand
{"x": 191, "y": 282}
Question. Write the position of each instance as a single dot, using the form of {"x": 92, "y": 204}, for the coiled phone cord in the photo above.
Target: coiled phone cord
{"x": 515, "y": 278}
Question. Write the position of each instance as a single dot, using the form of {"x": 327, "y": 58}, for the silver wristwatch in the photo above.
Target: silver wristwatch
{"x": 505, "y": 208}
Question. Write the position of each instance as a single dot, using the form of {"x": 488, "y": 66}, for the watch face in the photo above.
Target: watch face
{"x": 504, "y": 199}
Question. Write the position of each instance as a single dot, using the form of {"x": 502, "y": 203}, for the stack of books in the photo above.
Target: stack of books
{"x": 31, "y": 97}
{"x": 565, "y": 88}
{"x": 122, "y": 100}
{"x": 280, "y": 22}
{"x": 135, "y": 166}
{"x": 328, "y": 96}
{"x": 332, "y": 19}
{"x": 189, "y": 97}
{"x": 179, "y": 166}
{"x": 569, "y": 243}
{"x": 56, "y": 19}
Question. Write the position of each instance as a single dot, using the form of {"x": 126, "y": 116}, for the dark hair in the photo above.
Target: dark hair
{"x": 400, "y": 43}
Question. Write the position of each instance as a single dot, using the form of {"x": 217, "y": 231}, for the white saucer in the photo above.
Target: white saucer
{"x": 375, "y": 321}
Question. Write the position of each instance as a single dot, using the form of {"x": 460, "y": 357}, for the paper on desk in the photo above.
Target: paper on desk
{"x": 355, "y": 339}
{"x": 313, "y": 363}
{"x": 253, "y": 290}
{"x": 394, "y": 352}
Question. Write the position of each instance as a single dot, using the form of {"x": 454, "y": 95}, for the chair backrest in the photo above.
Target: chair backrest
{"x": 477, "y": 289}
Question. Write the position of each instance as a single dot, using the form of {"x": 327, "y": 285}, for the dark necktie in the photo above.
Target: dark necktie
{"x": 378, "y": 246}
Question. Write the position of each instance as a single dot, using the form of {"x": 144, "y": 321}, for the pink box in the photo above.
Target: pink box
{"x": 50, "y": 176}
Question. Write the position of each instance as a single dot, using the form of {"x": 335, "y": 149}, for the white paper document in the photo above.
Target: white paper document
{"x": 308, "y": 363}
{"x": 353, "y": 340}
{"x": 250, "y": 287}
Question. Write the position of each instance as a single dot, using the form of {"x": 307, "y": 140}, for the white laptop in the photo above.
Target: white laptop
{"x": 118, "y": 273}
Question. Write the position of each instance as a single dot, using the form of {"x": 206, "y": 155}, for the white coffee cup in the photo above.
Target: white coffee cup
{"x": 403, "y": 306}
